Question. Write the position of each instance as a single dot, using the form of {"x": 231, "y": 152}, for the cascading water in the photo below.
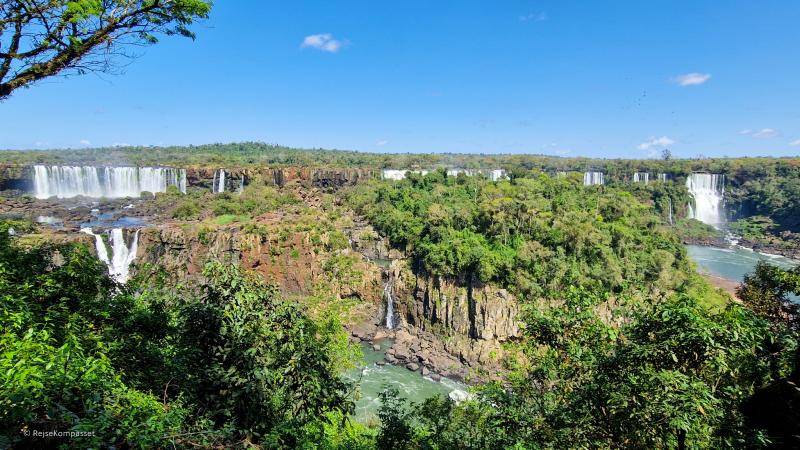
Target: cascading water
{"x": 109, "y": 182}
{"x": 99, "y": 245}
{"x": 670, "y": 210}
{"x": 592, "y": 178}
{"x": 641, "y": 177}
{"x": 707, "y": 190}
{"x": 219, "y": 181}
{"x": 122, "y": 254}
{"x": 241, "y": 184}
{"x": 662, "y": 177}
{"x": 389, "y": 297}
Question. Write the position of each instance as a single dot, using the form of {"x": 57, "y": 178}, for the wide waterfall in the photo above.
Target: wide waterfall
{"x": 219, "y": 181}
{"x": 492, "y": 174}
{"x": 592, "y": 178}
{"x": 394, "y": 174}
{"x": 641, "y": 177}
{"x": 122, "y": 253}
{"x": 109, "y": 182}
{"x": 707, "y": 190}
{"x": 388, "y": 295}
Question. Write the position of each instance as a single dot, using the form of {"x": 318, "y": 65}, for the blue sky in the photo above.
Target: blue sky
{"x": 574, "y": 78}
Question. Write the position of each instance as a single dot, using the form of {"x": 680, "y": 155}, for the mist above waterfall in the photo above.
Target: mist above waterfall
{"x": 707, "y": 191}
{"x": 104, "y": 182}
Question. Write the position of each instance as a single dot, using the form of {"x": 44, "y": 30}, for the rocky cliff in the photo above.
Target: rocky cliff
{"x": 473, "y": 320}
{"x": 446, "y": 326}
{"x": 289, "y": 259}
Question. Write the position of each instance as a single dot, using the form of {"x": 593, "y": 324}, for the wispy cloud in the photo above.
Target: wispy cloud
{"x": 85, "y": 142}
{"x": 382, "y": 142}
{"x": 691, "y": 79}
{"x": 324, "y": 42}
{"x": 795, "y": 143}
{"x": 764, "y": 133}
{"x": 663, "y": 141}
{"x": 534, "y": 17}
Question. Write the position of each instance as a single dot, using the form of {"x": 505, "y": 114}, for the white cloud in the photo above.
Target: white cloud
{"x": 120, "y": 144}
{"x": 382, "y": 142}
{"x": 795, "y": 143}
{"x": 323, "y": 42}
{"x": 691, "y": 79}
{"x": 85, "y": 142}
{"x": 764, "y": 133}
{"x": 663, "y": 141}
{"x": 534, "y": 17}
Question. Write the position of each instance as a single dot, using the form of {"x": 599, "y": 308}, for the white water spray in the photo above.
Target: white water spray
{"x": 219, "y": 181}
{"x": 389, "y": 297}
{"x": 641, "y": 177}
{"x": 122, "y": 254}
{"x": 707, "y": 190}
{"x": 108, "y": 182}
{"x": 593, "y": 178}
{"x": 670, "y": 210}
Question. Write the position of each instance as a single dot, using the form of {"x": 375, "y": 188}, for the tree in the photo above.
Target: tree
{"x": 44, "y": 38}
{"x": 666, "y": 154}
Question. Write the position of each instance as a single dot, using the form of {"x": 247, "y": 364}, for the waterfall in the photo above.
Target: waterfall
{"x": 122, "y": 254}
{"x": 707, "y": 190}
{"x": 670, "y": 210}
{"x": 109, "y": 182}
{"x": 639, "y": 177}
{"x": 241, "y": 184}
{"x": 592, "y": 178}
{"x": 99, "y": 245}
{"x": 388, "y": 296}
{"x": 394, "y": 174}
{"x": 219, "y": 181}
{"x": 663, "y": 177}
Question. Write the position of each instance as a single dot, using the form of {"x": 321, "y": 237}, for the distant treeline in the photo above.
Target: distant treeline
{"x": 768, "y": 187}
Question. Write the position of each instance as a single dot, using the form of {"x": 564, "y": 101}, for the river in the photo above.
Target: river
{"x": 373, "y": 379}
{"x": 732, "y": 263}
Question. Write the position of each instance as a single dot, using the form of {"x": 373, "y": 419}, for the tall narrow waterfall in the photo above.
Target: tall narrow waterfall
{"x": 662, "y": 177}
{"x": 122, "y": 253}
{"x": 707, "y": 190}
{"x": 388, "y": 295}
{"x": 592, "y": 178}
{"x": 670, "y": 210}
{"x": 109, "y": 182}
{"x": 219, "y": 181}
{"x": 641, "y": 177}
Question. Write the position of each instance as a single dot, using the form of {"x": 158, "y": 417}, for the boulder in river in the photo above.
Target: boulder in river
{"x": 412, "y": 366}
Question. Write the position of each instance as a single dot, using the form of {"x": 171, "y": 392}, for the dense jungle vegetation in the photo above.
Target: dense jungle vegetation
{"x": 535, "y": 236}
{"x": 623, "y": 347}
